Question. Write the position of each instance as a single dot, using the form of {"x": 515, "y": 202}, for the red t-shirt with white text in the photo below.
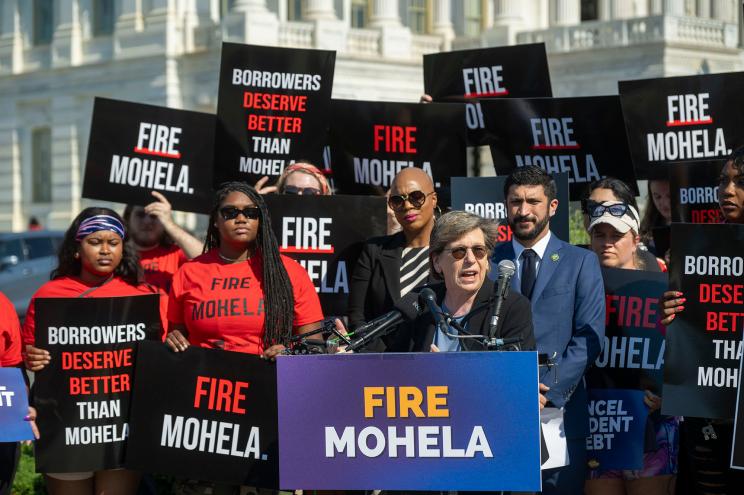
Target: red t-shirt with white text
{"x": 160, "y": 264}
{"x": 73, "y": 287}
{"x": 10, "y": 334}
{"x": 222, "y": 304}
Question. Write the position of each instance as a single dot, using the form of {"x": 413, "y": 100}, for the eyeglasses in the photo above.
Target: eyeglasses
{"x": 460, "y": 252}
{"x": 416, "y": 198}
{"x": 231, "y": 212}
{"x": 304, "y": 191}
{"x": 142, "y": 215}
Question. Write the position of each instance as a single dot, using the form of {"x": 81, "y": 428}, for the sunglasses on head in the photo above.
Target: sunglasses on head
{"x": 596, "y": 210}
{"x": 231, "y": 212}
{"x": 416, "y": 198}
{"x": 460, "y": 252}
{"x": 304, "y": 191}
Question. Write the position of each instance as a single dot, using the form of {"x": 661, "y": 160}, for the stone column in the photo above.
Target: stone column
{"x": 565, "y": 12}
{"x": 508, "y": 18}
{"x": 621, "y": 9}
{"x": 384, "y": 13}
{"x": 318, "y": 9}
{"x": 674, "y": 7}
{"x": 250, "y": 21}
{"x": 703, "y": 8}
{"x": 67, "y": 48}
{"x": 11, "y": 39}
{"x": 395, "y": 39}
{"x": 722, "y": 10}
{"x": 443, "y": 23}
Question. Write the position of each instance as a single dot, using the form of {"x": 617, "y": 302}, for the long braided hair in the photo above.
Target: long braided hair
{"x": 277, "y": 288}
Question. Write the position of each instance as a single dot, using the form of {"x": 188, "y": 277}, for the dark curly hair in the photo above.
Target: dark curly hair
{"x": 129, "y": 268}
{"x": 277, "y": 288}
{"x": 531, "y": 175}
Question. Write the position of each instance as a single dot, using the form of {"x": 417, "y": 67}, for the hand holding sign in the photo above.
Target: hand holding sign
{"x": 36, "y": 359}
{"x": 671, "y": 304}
{"x": 176, "y": 340}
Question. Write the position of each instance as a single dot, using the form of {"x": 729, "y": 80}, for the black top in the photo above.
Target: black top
{"x": 375, "y": 281}
{"x": 515, "y": 320}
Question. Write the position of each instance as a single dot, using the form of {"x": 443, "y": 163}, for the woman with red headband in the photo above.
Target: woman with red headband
{"x": 95, "y": 260}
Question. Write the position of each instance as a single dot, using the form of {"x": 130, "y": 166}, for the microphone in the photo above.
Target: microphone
{"x": 427, "y": 296}
{"x": 406, "y": 309}
{"x": 506, "y": 271}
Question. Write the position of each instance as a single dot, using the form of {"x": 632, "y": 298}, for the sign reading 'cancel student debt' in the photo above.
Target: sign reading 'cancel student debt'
{"x": 677, "y": 119}
{"x": 205, "y": 414}
{"x": 135, "y": 149}
{"x": 701, "y": 372}
{"x": 372, "y": 141}
{"x": 82, "y": 396}
{"x": 272, "y": 109}
{"x": 429, "y": 421}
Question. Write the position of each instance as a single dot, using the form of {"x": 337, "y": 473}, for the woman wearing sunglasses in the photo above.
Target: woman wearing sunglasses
{"x": 614, "y": 229}
{"x": 241, "y": 294}
{"x": 391, "y": 266}
{"x": 458, "y": 260}
{"x": 617, "y": 191}
{"x": 301, "y": 178}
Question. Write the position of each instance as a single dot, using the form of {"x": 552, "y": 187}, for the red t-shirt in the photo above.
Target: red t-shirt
{"x": 160, "y": 264}
{"x": 73, "y": 287}
{"x": 10, "y": 334}
{"x": 222, "y": 304}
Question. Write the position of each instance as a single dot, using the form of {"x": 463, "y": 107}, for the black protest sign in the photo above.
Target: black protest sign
{"x": 325, "y": 235}
{"x": 484, "y": 196}
{"x": 83, "y": 395}
{"x": 632, "y": 355}
{"x": 584, "y": 137}
{"x": 373, "y": 141}
{"x": 204, "y": 414}
{"x": 693, "y": 188}
{"x": 701, "y": 371}
{"x": 272, "y": 109}
{"x": 135, "y": 149}
{"x": 678, "y": 119}
{"x": 519, "y": 71}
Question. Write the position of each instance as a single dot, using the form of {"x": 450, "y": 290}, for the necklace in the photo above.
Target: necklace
{"x": 232, "y": 260}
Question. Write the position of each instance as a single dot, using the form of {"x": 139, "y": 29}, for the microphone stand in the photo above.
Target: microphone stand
{"x": 303, "y": 344}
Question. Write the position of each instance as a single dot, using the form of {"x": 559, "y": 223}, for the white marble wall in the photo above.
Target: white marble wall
{"x": 168, "y": 54}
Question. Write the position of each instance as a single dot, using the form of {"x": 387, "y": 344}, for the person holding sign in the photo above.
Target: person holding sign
{"x": 706, "y": 442}
{"x": 95, "y": 260}
{"x": 391, "y": 266}
{"x": 10, "y": 357}
{"x": 241, "y": 294}
{"x": 162, "y": 245}
{"x": 564, "y": 285}
{"x": 614, "y": 230}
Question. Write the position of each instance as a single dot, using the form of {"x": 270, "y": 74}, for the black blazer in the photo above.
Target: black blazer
{"x": 515, "y": 320}
{"x": 375, "y": 281}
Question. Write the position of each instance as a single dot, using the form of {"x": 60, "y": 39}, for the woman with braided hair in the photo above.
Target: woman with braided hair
{"x": 241, "y": 294}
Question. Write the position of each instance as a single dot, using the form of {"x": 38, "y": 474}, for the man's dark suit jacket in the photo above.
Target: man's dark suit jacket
{"x": 568, "y": 311}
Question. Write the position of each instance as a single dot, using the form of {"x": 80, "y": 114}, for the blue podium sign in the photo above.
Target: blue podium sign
{"x": 13, "y": 407}
{"x": 429, "y": 421}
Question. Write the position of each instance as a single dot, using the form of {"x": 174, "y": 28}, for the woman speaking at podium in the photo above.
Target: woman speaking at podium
{"x": 459, "y": 248}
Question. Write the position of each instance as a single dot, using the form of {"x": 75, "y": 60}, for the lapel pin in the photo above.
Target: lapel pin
{"x": 555, "y": 257}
